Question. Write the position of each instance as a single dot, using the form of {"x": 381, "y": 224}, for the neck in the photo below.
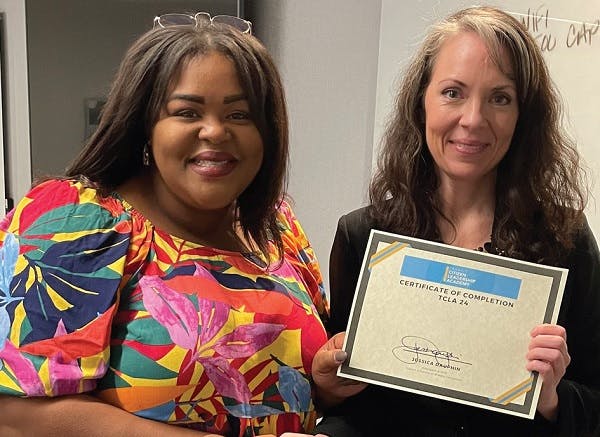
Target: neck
{"x": 213, "y": 228}
{"x": 468, "y": 209}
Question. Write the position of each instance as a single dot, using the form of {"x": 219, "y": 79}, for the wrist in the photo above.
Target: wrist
{"x": 548, "y": 408}
{"x": 325, "y": 399}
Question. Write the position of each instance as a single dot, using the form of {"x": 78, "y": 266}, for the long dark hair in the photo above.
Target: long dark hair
{"x": 540, "y": 194}
{"x": 113, "y": 154}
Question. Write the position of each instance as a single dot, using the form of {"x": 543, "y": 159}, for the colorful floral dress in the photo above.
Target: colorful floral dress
{"x": 94, "y": 298}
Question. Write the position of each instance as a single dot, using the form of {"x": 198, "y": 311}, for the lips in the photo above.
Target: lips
{"x": 213, "y": 163}
{"x": 468, "y": 146}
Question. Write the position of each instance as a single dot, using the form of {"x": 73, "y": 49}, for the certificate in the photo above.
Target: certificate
{"x": 449, "y": 323}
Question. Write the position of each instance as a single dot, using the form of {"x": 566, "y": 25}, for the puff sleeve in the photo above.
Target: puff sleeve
{"x": 298, "y": 250}
{"x": 63, "y": 251}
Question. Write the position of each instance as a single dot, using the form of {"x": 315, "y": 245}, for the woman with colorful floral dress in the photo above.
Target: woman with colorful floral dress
{"x": 164, "y": 280}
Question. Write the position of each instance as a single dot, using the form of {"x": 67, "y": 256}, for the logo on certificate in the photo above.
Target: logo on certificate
{"x": 460, "y": 276}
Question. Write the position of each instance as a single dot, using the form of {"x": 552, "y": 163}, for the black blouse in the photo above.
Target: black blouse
{"x": 380, "y": 411}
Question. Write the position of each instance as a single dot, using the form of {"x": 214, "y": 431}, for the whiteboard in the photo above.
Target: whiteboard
{"x": 568, "y": 33}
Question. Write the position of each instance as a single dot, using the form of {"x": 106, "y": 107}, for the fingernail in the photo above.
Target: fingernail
{"x": 340, "y": 356}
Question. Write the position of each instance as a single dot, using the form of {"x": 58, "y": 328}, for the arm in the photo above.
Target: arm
{"x": 579, "y": 391}
{"x": 570, "y": 396}
{"x": 78, "y": 415}
{"x": 345, "y": 407}
{"x": 345, "y": 260}
{"x": 56, "y": 307}
{"x": 57, "y": 301}
{"x": 331, "y": 389}
{"x": 301, "y": 255}
{"x": 344, "y": 268}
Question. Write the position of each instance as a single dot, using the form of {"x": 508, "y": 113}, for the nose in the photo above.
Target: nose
{"x": 213, "y": 130}
{"x": 473, "y": 113}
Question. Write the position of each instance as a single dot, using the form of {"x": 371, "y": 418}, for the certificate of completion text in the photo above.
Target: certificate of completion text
{"x": 449, "y": 322}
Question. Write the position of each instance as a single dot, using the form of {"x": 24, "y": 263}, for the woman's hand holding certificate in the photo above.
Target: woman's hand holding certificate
{"x": 549, "y": 356}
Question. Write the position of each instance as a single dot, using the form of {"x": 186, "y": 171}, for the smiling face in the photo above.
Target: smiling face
{"x": 471, "y": 110}
{"x": 206, "y": 148}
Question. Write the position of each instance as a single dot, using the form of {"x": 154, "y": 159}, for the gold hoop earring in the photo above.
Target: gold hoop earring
{"x": 146, "y": 156}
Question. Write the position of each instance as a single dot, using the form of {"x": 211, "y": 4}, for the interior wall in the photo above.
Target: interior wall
{"x": 74, "y": 49}
{"x": 327, "y": 54}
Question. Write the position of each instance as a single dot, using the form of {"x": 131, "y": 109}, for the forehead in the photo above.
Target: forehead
{"x": 207, "y": 66}
{"x": 468, "y": 51}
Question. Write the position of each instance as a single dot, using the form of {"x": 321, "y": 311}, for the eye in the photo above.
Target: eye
{"x": 186, "y": 113}
{"x": 451, "y": 93}
{"x": 501, "y": 99}
{"x": 239, "y": 115}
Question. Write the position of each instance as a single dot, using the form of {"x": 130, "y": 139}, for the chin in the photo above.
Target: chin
{"x": 217, "y": 206}
{"x": 474, "y": 178}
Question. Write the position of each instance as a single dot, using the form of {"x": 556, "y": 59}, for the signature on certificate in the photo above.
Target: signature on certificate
{"x": 419, "y": 350}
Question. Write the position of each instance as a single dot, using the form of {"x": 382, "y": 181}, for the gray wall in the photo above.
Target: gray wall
{"x": 327, "y": 54}
{"x": 74, "y": 48}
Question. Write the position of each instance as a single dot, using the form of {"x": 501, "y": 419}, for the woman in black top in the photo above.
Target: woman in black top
{"x": 474, "y": 156}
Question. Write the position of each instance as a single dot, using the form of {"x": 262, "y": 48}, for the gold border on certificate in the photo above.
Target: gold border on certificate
{"x": 448, "y": 322}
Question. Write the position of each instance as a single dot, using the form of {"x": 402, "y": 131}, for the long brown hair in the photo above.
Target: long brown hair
{"x": 114, "y": 152}
{"x": 540, "y": 194}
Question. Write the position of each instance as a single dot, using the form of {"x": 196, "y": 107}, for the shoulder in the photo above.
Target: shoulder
{"x": 57, "y": 212}
{"x": 299, "y": 252}
{"x": 292, "y": 234}
{"x": 359, "y": 218}
{"x": 356, "y": 225}
{"x": 584, "y": 244}
{"x": 64, "y": 191}
{"x": 65, "y": 248}
{"x": 583, "y": 264}
{"x": 286, "y": 218}
{"x": 66, "y": 194}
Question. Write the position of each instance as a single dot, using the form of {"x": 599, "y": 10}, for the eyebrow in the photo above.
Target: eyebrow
{"x": 235, "y": 98}
{"x": 503, "y": 87}
{"x": 496, "y": 88}
{"x": 200, "y": 99}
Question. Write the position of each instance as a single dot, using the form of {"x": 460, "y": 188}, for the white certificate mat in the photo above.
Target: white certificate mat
{"x": 450, "y": 323}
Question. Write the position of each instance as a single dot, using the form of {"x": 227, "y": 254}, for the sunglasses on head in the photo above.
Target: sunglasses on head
{"x": 202, "y": 19}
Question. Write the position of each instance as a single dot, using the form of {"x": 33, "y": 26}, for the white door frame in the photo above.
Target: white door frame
{"x": 16, "y": 92}
{"x": 2, "y": 178}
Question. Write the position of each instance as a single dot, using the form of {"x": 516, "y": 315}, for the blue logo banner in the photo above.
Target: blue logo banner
{"x": 458, "y": 276}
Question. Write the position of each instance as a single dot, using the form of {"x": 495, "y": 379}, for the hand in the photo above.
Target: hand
{"x": 331, "y": 389}
{"x": 549, "y": 356}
